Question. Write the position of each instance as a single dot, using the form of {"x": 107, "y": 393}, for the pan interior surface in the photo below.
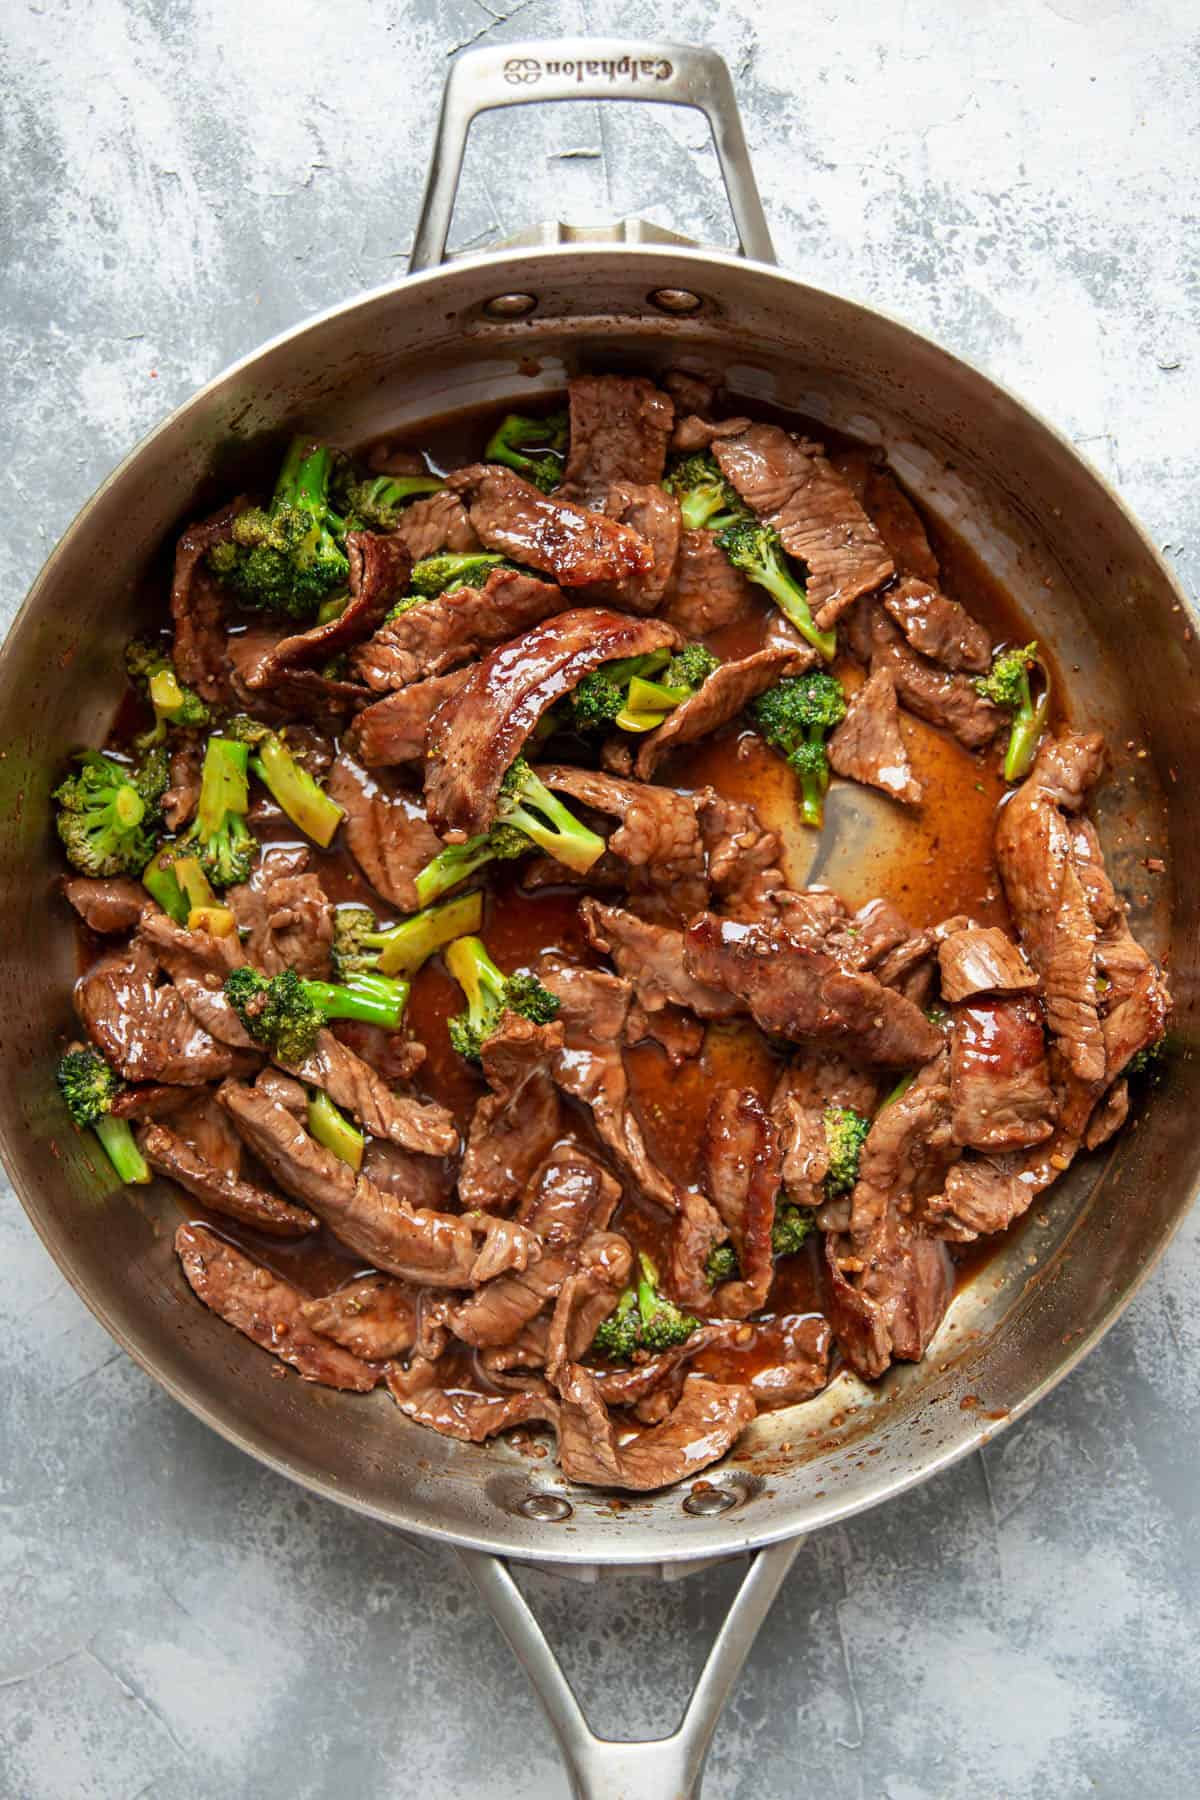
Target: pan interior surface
{"x": 1076, "y": 565}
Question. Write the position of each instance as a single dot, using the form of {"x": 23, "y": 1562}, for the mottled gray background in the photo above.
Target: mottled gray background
{"x": 178, "y": 180}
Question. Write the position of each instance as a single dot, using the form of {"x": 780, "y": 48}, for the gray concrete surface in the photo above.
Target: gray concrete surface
{"x": 178, "y": 180}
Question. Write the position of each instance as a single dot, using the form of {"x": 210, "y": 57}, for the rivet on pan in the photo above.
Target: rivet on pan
{"x": 708, "y": 1500}
{"x": 510, "y": 306}
{"x": 676, "y": 300}
{"x": 547, "y": 1509}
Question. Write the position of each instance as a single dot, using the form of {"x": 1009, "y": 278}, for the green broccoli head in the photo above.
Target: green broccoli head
{"x": 721, "y": 1264}
{"x": 108, "y": 815}
{"x": 795, "y": 717}
{"x": 354, "y": 949}
{"x": 490, "y": 993}
{"x": 757, "y": 550}
{"x": 790, "y": 1229}
{"x": 224, "y": 843}
{"x": 705, "y": 497}
{"x": 644, "y": 1319}
{"x": 690, "y": 667}
{"x": 1008, "y": 685}
{"x": 1007, "y": 682}
{"x": 87, "y": 1085}
{"x": 290, "y": 556}
{"x": 377, "y": 502}
{"x": 527, "y": 803}
{"x": 276, "y": 1011}
{"x": 1148, "y": 1061}
{"x": 152, "y": 672}
{"x": 535, "y": 448}
{"x": 448, "y": 571}
{"x": 596, "y": 702}
{"x": 845, "y": 1134}
{"x": 618, "y": 1336}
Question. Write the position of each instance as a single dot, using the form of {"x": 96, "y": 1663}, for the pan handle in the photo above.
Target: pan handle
{"x": 667, "y": 1768}
{"x": 521, "y": 74}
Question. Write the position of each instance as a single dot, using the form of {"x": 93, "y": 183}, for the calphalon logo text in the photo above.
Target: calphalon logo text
{"x": 524, "y": 70}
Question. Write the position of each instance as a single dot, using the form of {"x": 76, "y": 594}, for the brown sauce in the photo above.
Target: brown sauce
{"x": 932, "y": 862}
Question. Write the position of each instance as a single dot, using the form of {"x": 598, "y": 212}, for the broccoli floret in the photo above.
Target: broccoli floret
{"x": 795, "y": 717}
{"x": 1148, "y": 1061}
{"x": 152, "y": 672}
{"x": 622, "y": 694}
{"x": 527, "y": 803}
{"x": 291, "y": 555}
{"x": 376, "y": 503}
{"x": 490, "y": 992}
{"x": 224, "y": 843}
{"x": 359, "y": 945}
{"x": 284, "y": 1013}
{"x": 690, "y": 667}
{"x": 89, "y": 1087}
{"x": 705, "y": 497}
{"x": 547, "y": 438}
{"x": 756, "y": 550}
{"x": 333, "y": 1130}
{"x": 791, "y": 1228}
{"x": 644, "y": 1319}
{"x": 845, "y": 1134}
{"x": 503, "y": 843}
{"x": 1007, "y": 685}
{"x": 299, "y": 794}
{"x": 446, "y": 572}
{"x": 108, "y": 814}
{"x": 596, "y": 702}
{"x": 721, "y": 1264}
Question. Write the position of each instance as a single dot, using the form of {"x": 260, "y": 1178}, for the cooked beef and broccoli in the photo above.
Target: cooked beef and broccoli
{"x": 446, "y": 946}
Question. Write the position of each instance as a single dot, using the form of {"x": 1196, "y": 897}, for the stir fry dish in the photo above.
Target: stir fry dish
{"x": 448, "y": 937}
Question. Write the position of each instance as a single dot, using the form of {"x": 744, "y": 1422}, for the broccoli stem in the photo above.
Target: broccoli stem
{"x": 166, "y": 695}
{"x": 450, "y": 866}
{"x": 302, "y": 798}
{"x": 162, "y": 884}
{"x": 407, "y": 945}
{"x": 120, "y": 1146}
{"x": 218, "y": 921}
{"x": 372, "y": 999}
{"x": 552, "y": 826}
{"x": 1028, "y": 724}
{"x": 792, "y": 602}
{"x": 223, "y": 786}
{"x": 332, "y": 609}
{"x": 333, "y": 1130}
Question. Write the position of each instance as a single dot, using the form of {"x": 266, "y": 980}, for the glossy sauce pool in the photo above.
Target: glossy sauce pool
{"x": 931, "y": 862}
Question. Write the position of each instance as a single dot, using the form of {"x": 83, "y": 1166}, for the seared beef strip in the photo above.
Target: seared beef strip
{"x": 374, "y": 1317}
{"x": 379, "y": 571}
{"x": 604, "y": 1269}
{"x": 107, "y": 906}
{"x": 219, "y": 1190}
{"x": 888, "y": 1294}
{"x": 939, "y": 627}
{"x": 180, "y": 799}
{"x": 574, "y": 547}
{"x": 905, "y": 1151}
{"x": 791, "y": 485}
{"x": 450, "y": 629}
{"x": 742, "y": 1162}
{"x": 353, "y": 1085}
{"x": 937, "y": 695}
{"x": 620, "y": 426}
{"x": 266, "y": 1309}
{"x": 197, "y": 606}
{"x": 898, "y": 523}
{"x": 706, "y": 591}
{"x": 654, "y": 515}
{"x": 723, "y": 696}
{"x": 999, "y": 1078}
{"x": 867, "y": 745}
{"x": 709, "y": 1418}
{"x": 651, "y": 958}
{"x": 796, "y": 991}
{"x": 982, "y": 959}
{"x": 283, "y": 915}
{"x": 658, "y": 834}
{"x": 394, "y": 730}
{"x": 983, "y": 1194}
{"x": 387, "y": 832}
{"x": 802, "y": 1344}
{"x": 198, "y": 964}
{"x": 472, "y": 742}
{"x": 148, "y": 1033}
{"x": 743, "y": 857}
{"x": 515, "y": 1126}
{"x": 435, "y": 522}
{"x": 462, "y": 1412}
{"x": 279, "y": 695}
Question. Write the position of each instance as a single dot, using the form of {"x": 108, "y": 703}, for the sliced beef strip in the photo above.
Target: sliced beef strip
{"x": 573, "y": 546}
{"x": 148, "y": 1033}
{"x": 939, "y": 696}
{"x": 982, "y": 959}
{"x": 472, "y": 742}
{"x": 353, "y": 1085}
{"x": 386, "y": 830}
{"x": 1000, "y": 1091}
{"x": 626, "y": 1384}
{"x": 266, "y": 1309}
{"x": 517, "y": 1123}
{"x": 393, "y": 1056}
{"x": 812, "y": 1081}
{"x": 604, "y": 1269}
{"x": 181, "y": 798}
{"x": 379, "y": 571}
{"x": 905, "y": 1152}
{"x": 743, "y": 1163}
{"x": 463, "y": 1413}
{"x": 197, "y": 607}
{"x": 593, "y": 1012}
{"x": 654, "y": 515}
{"x": 421, "y": 1180}
{"x": 789, "y": 1356}
{"x": 220, "y": 1190}
{"x": 791, "y": 484}
{"x": 570, "y": 1196}
{"x": 152, "y": 1100}
{"x": 708, "y": 1420}
{"x": 436, "y": 522}
{"x": 249, "y": 903}
{"x": 1109, "y": 1116}
{"x": 374, "y": 1317}
{"x": 1034, "y": 840}
{"x": 434, "y": 1248}
{"x": 695, "y": 432}
{"x": 796, "y": 991}
{"x": 658, "y": 833}
{"x": 692, "y": 392}
{"x": 651, "y": 959}
{"x": 300, "y": 926}
{"x": 724, "y": 695}
{"x": 620, "y": 427}
{"x": 983, "y": 1194}
{"x": 451, "y": 629}
{"x": 939, "y": 627}
{"x": 394, "y": 730}
{"x": 887, "y": 1295}
{"x": 198, "y": 963}
{"x": 706, "y": 591}
{"x": 279, "y": 695}
{"x": 697, "y": 1230}
{"x": 680, "y": 1034}
{"x": 867, "y": 746}
{"x": 743, "y": 857}
{"x": 107, "y": 906}
{"x": 898, "y": 523}
{"x": 1069, "y": 983}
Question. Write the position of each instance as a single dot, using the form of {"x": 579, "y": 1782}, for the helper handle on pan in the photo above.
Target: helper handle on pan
{"x": 667, "y": 1768}
{"x": 519, "y": 74}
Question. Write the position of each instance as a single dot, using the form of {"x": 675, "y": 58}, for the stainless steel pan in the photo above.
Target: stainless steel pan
{"x": 493, "y": 328}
